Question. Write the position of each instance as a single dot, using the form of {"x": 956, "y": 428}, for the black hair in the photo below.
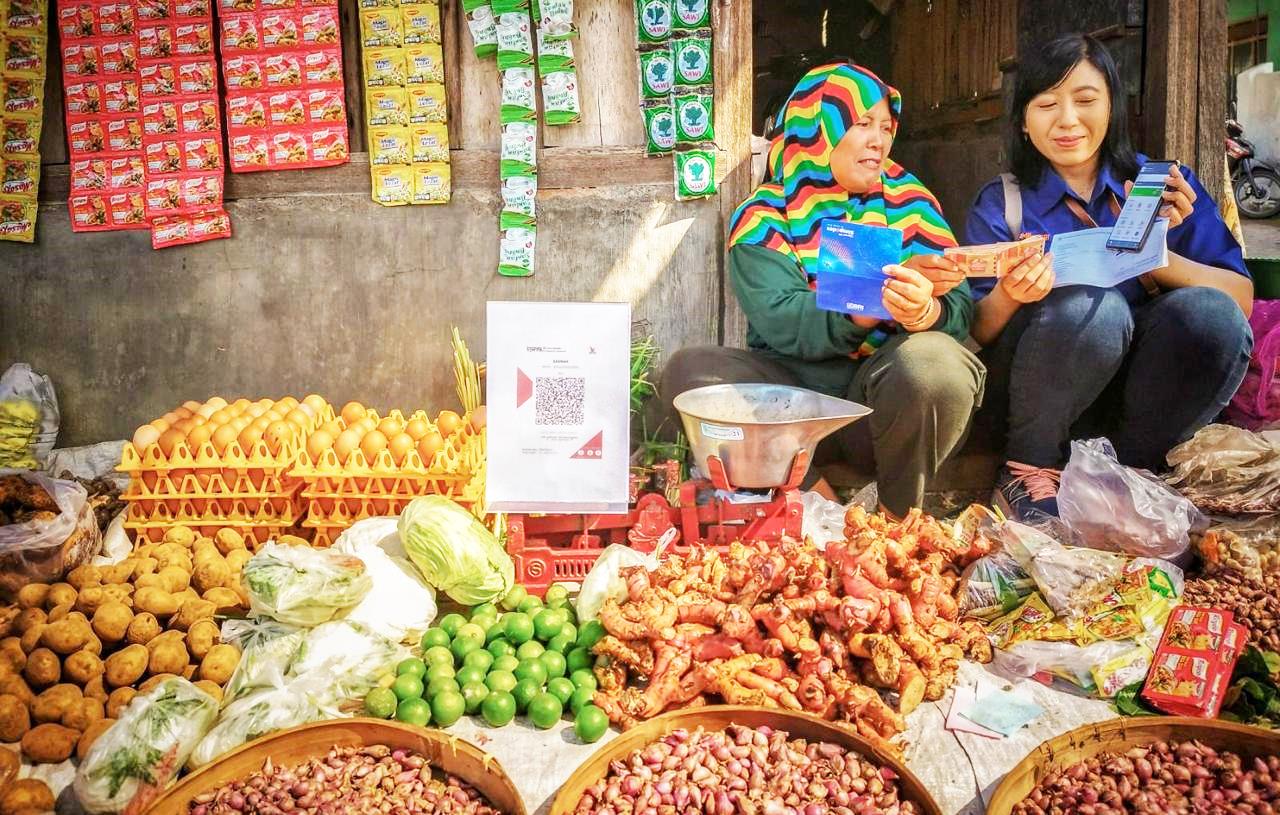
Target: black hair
{"x": 1044, "y": 68}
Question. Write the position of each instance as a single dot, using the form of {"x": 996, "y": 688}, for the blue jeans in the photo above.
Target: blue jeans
{"x": 1084, "y": 362}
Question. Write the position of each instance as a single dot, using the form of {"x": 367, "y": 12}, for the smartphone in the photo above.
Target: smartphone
{"x": 1141, "y": 207}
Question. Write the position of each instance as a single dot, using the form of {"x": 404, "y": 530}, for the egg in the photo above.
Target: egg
{"x": 307, "y": 409}
{"x": 352, "y": 412}
{"x": 333, "y": 428}
{"x": 448, "y": 423}
{"x": 217, "y": 402}
{"x": 184, "y": 425}
{"x": 145, "y": 436}
{"x": 479, "y": 417}
{"x": 221, "y": 416}
{"x": 318, "y": 443}
{"x": 223, "y": 436}
{"x": 275, "y": 415}
{"x": 198, "y": 435}
{"x": 254, "y": 411}
{"x": 391, "y": 427}
{"x": 265, "y": 404}
{"x": 169, "y": 439}
{"x": 192, "y": 405}
{"x": 196, "y": 419}
{"x": 345, "y": 443}
{"x": 182, "y": 412}
{"x": 171, "y": 417}
{"x": 400, "y": 446}
{"x": 429, "y": 445}
{"x": 287, "y": 404}
{"x": 262, "y": 422}
{"x": 299, "y": 418}
{"x": 416, "y": 428}
{"x": 249, "y": 437}
{"x": 367, "y": 424}
{"x": 240, "y": 423}
{"x": 206, "y": 411}
{"x": 159, "y": 424}
{"x": 241, "y": 405}
{"x": 279, "y": 434}
{"x": 374, "y": 442}
{"x": 316, "y": 402}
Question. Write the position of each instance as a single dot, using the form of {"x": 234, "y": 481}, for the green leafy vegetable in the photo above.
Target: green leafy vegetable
{"x": 1129, "y": 702}
{"x": 454, "y": 551}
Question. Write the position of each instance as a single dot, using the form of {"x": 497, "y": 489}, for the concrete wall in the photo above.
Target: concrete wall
{"x": 1258, "y": 108}
{"x": 1239, "y": 10}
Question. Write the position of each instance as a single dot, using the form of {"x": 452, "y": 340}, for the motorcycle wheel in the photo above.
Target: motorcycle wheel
{"x": 1260, "y": 200}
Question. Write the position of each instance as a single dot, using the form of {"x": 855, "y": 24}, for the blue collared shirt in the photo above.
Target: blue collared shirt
{"x": 1203, "y": 237}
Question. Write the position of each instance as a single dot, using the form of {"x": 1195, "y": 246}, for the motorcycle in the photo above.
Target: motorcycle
{"x": 1256, "y": 184}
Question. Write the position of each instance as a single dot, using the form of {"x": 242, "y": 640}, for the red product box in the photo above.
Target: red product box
{"x": 318, "y": 3}
{"x": 76, "y": 22}
{"x": 159, "y": 80}
{"x": 199, "y": 115}
{"x": 126, "y": 172}
{"x": 155, "y": 40}
{"x": 117, "y": 20}
{"x": 124, "y": 133}
{"x": 163, "y": 196}
{"x": 286, "y": 108}
{"x": 121, "y": 96}
{"x": 246, "y": 112}
{"x": 88, "y": 175}
{"x": 282, "y": 70}
{"x": 193, "y": 39}
{"x": 242, "y": 73}
{"x": 193, "y": 9}
{"x": 86, "y": 137}
{"x": 154, "y": 9}
{"x": 326, "y": 105}
{"x": 1192, "y": 667}
{"x": 162, "y": 157}
{"x": 323, "y": 67}
{"x": 329, "y": 145}
{"x": 280, "y": 30}
{"x": 239, "y": 33}
{"x": 119, "y": 57}
{"x": 83, "y": 99}
{"x": 202, "y": 154}
{"x": 249, "y": 152}
{"x": 127, "y": 210}
{"x": 160, "y": 118}
{"x": 80, "y": 59}
{"x": 197, "y": 76}
{"x": 176, "y": 230}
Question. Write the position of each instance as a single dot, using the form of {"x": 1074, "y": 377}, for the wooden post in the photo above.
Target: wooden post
{"x": 1214, "y": 77}
{"x": 734, "y": 74}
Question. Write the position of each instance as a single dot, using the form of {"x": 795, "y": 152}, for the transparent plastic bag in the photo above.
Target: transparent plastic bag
{"x": 28, "y": 417}
{"x": 303, "y": 586}
{"x": 266, "y": 710}
{"x": 404, "y": 605}
{"x": 604, "y": 580}
{"x": 43, "y": 549}
{"x": 823, "y": 519}
{"x": 349, "y": 655}
{"x": 1074, "y": 663}
{"x": 1117, "y": 508}
{"x": 267, "y": 652}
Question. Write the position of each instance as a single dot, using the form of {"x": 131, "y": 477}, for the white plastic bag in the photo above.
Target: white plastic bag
{"x": 267, "y": 652}
{"x": 40, "y": 551}
{"x": 603, "y": 581}
{"x": 349, "y": 655}
{"x": 28, "y": 417}
{"x": 266, "y": 710}
{"x": 89, "y": 462}
{"x": 301, "y": 585}
{"x": 404, "y": 605}
{"x": 823, "y": 519}
{"x": 1073, "y": 663}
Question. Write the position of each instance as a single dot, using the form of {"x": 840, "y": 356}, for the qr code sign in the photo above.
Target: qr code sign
{"x": 558, "y": 400}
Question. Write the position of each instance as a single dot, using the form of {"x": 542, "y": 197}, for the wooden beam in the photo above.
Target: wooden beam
{"x": 1171, "y": 79}
{"x": 1212, "y": 106}
{"x": 734, "y": 106}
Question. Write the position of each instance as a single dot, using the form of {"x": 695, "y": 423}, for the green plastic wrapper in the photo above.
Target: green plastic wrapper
{"x": 695, "y": 174}
{"x": 519, "y": 156}
{"x": 515, "y": 40}
{"x": 554, "y": 55}
{"x": 660, "y": 127}
{"x": 519, "y": 96}
{"x": 454, "y": 551}
{"x": 653, "y": 21}
{"x": 515, "y": 258}
{"x": 695, "y": 118}
{"x": 657, "y": 73}
{"x": 692, "y": 58}
{"x": 481, "y": 23}
{"x": 518, "y": 202}
{"x": 554, "y": 19}
{"x": 560, "y": 103}
{"x": 691, "y": 15}
{"x": 501, "y": 7}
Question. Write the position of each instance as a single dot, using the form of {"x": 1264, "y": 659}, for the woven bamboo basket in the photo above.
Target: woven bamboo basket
{"x": 717, "y": 717}
{"x": 1118, "y": 735}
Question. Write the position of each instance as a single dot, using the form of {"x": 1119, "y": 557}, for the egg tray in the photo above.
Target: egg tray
{"x": 462, "y": 453}
{"x": 254, "y": 484}
{"x": 254, "y": 534}
{"x": 285, "y": 510}
{"x": 233, "y": 458}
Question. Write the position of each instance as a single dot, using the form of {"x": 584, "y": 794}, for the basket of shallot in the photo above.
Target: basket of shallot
{"x": 730, "y": 759}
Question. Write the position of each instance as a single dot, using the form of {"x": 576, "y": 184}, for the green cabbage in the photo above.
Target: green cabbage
{"x": 454, "y": 551}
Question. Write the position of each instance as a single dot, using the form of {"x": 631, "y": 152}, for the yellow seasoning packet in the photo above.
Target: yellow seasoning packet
{"x": 389, "y": 145}
{"x": 1114, "y": 675}
{"x": 1021, "y": 623}
{"x": 432, "y": 183}
{"x": 430, "y": 142}
{"x": 1118, "y": 623}
{"x": 424, "y": 63}
{"x": 387, "y": 106}
{"x": 392, "y": 185}
{"x": 22, "y": 97}
{"x": 384, "y": 67}
{"x": 426, "y": 103}
{"x": 23, "y": 55}
{"x": 19, "y": 176}
{"x": 381, "y": 28}
{"x": 18, "y": 218}
{"x": 421, "y": 23}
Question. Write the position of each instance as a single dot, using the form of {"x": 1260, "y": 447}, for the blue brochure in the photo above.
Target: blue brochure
{"x": 851, "y": 261}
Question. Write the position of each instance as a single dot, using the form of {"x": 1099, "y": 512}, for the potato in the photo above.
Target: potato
{"x": 33, "y": 595}
{"x": 31, "y": 638}
{"x": 119, "y": 700}
{"x": 11, "y": 653}
{"x": 111, "y": 621}
{"x": 26, "y": 795}
{"x": 236, "y": 560}
{"x": 180, "y": 535}
{"x": 170, "y": 656}
{"x": 29, "y": 617}
{"x": 212, "y": 574}
{"x": 9, "y": 766}
{"x": 224, "y": 600}
{"x": 145, "y": 566}
{"x": 54, "y": 702}
{"x": 144, "y": 628}
{"x": 66, "y": 636}
{"x": 7, "y": 615}
{"x": 59, "y": 612}
{"x": 81, "y": 577}
{"x": 189, "y": 672}
{"x": 192, "y": 611}
{"x": 146, "y": 550}
{"x": 148, "y": 581}
{"x": 151, "y": 683}
{"x": 155, "y": 601}
{"x": 122, "y": 593}
{"x": 82, "y": 667}
{"x": 81, "y": 715}
{"x": 201, "y": 636}
{"x": 96, "y": 688}
{"x": 49, "y": 743}
{"x": 218, "y": 665}
{"x": 203, "y": 549}
{"x": 228, "y": 539}
{"x": 15, "y": 718}
{"x": 91, "y": 734}
{"x": 185, "y": 595}
{"x": 118, "y": 573}
{"x": 174, "y": 578}
{"x": 60, "y": 593}
{"x": 126, "y": 666}
{"x": 94, "y": 645}
{"x": 43, "y": 668}
{"x": 17, "y": 686}
{"x": 90, "y": 598}
{"x": 174, "y": 557}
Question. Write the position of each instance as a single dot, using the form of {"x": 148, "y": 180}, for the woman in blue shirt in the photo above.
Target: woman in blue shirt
{"x": 1146, "y": 363}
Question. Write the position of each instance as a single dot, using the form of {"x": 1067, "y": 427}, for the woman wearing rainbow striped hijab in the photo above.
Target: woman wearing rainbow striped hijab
{"x": 831, "y": 161}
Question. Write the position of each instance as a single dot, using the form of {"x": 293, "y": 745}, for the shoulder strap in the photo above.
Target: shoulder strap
{"x": 1012, "y": 205}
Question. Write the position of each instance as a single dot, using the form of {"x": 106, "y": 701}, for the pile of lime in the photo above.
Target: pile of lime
{"x": 532, "y": 660}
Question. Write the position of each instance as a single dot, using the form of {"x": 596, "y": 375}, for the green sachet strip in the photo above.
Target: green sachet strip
{"x": 519, "y": 100}
{"x": 554, "y": 19}
{"x": 660, "y": 127}
{"x": 560, "y": 104}
{"x": 691, "y": 14}
{"x": 516, "y": 252}
{"x": 695, "y": 117}
{"x": 501, "y": 7}
{"x": 692, "y": 58}
{"x": 653, "y": 21}
{"x": 519, "y": 156}
{"x": 515, "y": 40}
{"x": 554, "y": 55}
{"x": 484, "y": 32}
{"x": 657, "y": 73}
{"x": 695, "y": 174}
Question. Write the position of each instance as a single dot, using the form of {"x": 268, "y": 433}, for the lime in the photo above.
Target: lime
{"x": 474, "y": 693}
{"x": 485, "y": 623}
{"x": 545, "y": 710}
{"x": 498, "y": 708}
{"x": 554, "y": 662}
{"x": 560, "y": 643}
{"x": 500, "y": 647}
{"x": 447, "y": 707}
{"x": 451, "y": 623}
{"x": 414, "y": 711}
{"x": 547, "y": 623}
{"x": 470, "y": 673}
{"x": 570, "y": 615}
{"x": 412, "y": 665}
{"x": 514, "y": 598}
{"x": 532, "y": 669}
{"x": 584, "y": 679}
{"x": 463, "y": 646}
{"x": 435, "y": 636}
{"x": 580, "y": 699}
{"x": 500, "y": 681}
{"x": 440, "y": 671}
{"x": 561, "y": 688}
{"x": 407, "y": 686}
{"x": 569, "y": 629}
{"x": 557, "y": 595}
{"x": 529, "y": 604}
{"x": 580, "y": 659}
{"x": 381, "y": 703}
{"x": 493, "y": 632}
{"x": 478, "y": 659}
{"x": 519, "y": 628}
{"x": 441, "y": 685}
{"x": 590, "y": 724}
{"x": 471, "y": 631}
{"x": 438, "y": 655}
{"x": 484, "y": 610}
{"x": 530, "y": 650}
{"x": 590, "y": 632}
{"x": 506, "y": 662}
{"x": 524, "y": 691}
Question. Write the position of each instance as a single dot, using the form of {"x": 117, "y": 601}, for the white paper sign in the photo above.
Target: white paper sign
{"x": 1081, "y": 258}
{"x": 558, "y": 384}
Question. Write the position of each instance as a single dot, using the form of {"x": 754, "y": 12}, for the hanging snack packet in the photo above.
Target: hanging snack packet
{"x": 501, "y": 7}
{"x": 519, "y": 149}
{"x": 426, "y": 103}
{"x": 695, "y": 174}
{"x": 692, "y": 57}
{"x": 554, "y": 55}
{"x": 519, "y": 195}
{"x": 387, "y": 106}
{"x": 429, "y": 142}
{"x": 560, "y": 105}
{"x": 392, "y": 185}
{"x": 389, "y": 145}
{"x": 384, "y": 67}
{"x": 17, "y": 218}
{"x": 484, "y": 32}
{"x": 516, "y": 252}
{"x": 381, "y": 28}
{"x": 421, "y": 23}
{"x": 515, "y": 40}
{"x": 431, "y": 183}
{"x": 695, "y": 117}
{"x": 660, "y": 127}
{"x": 555, "y": 19}
{"x": 518, "y": 101}
{"x": 691, "y": 14}
{"x": 653, "y": 21}
{"x": 657, "y": 74}
{"x": 424, "y": 63}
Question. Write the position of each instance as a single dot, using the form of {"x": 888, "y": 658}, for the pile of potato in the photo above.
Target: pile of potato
{"x": 74, "y": 654}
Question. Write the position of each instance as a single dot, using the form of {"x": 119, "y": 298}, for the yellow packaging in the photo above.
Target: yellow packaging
{"x": 1119, "y": 623}
{"x": 426, "y": 103}
{"x": 19, "y": 176}
{"x": 424, "y": 63}
{"x": 381, "y": 28}
{"x": 432, "y": 183}
{"x": 364, "y": 4}
{"x": 392, "y": 185}
{"x": 17, "y": 218}
{"x": 19, "y": 136}
{"x": 23, "y": 55}
{"x": 389, "y": 145}
{"x": 384, "y": 67}
{"x": 430, "y": 142}
{"x": 387, "y": 106}
{"x": 26, "y": 17}
{"x": 22, "y": 97}
{"x": 1021, "y": 623}
{"x": 421, "y": 23}
{"x": 1131, "y": 666}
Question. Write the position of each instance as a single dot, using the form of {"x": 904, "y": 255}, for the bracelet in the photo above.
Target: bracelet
{"x": 927, "y": 318}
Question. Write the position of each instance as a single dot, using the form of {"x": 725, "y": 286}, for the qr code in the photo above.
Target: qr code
{"x": 558, "y": 400}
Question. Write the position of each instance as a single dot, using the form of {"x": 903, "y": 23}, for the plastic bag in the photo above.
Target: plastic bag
{"x": 116, "y": 544}
{"x": 1074, "y": 663}
{"x": 1073, "y": 578}
{"x": 351, "y": 657}
{"x": 89, "y": 462}
{"x": 404, "y": 605}
{"x": 131, "y": 763}
{"x": 1256, "y": 403}
{"x": 42, "y": 550}
{"x": 267, "y": 652}
{"x": 823, "y": 519}
{"x": 266, "y": 710}
{"x": 1227, "y": 470}
{"x": 1109, "y": 506}
{"x": 28, "y": 417}
{"x": 301, "y": 585}
{"x": 604, "y": 580}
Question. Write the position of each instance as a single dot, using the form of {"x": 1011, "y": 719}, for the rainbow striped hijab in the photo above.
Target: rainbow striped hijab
{"x": 786, "y": 214}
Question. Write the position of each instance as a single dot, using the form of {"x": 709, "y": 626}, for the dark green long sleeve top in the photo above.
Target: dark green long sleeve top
{"x": 785, "y": 322}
